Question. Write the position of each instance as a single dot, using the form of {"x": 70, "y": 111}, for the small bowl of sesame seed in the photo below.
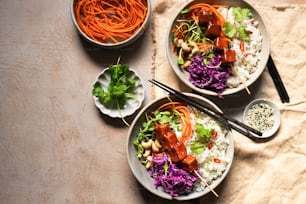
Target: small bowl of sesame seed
{"x": 262, "y": 115}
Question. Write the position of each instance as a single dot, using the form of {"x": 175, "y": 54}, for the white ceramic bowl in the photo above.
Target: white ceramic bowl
{"x": 183, "y": 75}
{"x": 262, "y": 121}
{"x": 113, "y": 45}
{"x": 139, "y": 170}
{"x": 131, "y": 104}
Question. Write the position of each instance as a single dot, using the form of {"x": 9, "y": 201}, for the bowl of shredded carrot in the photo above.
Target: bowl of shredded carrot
{"x": 218, "y": 47}
{"x": 111, "y": 24}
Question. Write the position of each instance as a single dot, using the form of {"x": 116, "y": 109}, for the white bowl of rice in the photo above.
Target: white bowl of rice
{"x": 198, "y": 55}
{"x": 214, "y": 154}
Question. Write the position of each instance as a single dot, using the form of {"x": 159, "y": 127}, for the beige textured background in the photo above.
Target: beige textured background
{"x": 55, "y": 147}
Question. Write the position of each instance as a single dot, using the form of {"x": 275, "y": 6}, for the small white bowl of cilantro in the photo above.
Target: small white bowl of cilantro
{"x": 118, "y": 91}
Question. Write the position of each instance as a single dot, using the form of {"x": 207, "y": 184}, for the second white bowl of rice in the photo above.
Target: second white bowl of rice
{"x": 249, "y": 64}
{"x": 214, "y": 163}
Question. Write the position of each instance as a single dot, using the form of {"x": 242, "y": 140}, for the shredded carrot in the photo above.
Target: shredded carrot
{"x": 110, "y": 20}
{"x": 208, "y": 7}
{"x": 184, "y": 117}
{"x": 169, "y": 105}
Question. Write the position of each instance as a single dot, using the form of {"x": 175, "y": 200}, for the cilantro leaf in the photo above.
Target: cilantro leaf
{"x": 98, "y": 90}
{"x": 118, "y": 90}
{"x": 106, "y": 99}
{"x": 229, "y": 29}
{"x": 241, "y": 13}
{"x": 243, "y": 33}
{"x": 197, "y": 147}
{"x": 203, "y": 132}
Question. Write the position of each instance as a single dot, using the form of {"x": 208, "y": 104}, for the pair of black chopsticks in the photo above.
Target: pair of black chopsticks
{"x": 225, "y": 120}
{"x": 277, "y": 81}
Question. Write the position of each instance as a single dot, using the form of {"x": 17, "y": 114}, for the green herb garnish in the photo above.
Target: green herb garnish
{"x": 204, "y": 136}
{"x": 203, "y": 132}
{"x": 120, "y": 88}
{"x": 197, "y": 147}
{"x": 166, "y": 167}
{"x": 186, "y": 10}
{"x": 243, "y": 33}
{"x": 241, "y": 13}
{"x": 238, "y": 29}
{"x": 229, "y": 29}
{"x": 180, "y": 59}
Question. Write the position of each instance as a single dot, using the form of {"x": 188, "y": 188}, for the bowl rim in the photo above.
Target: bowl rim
{"x": 120, "y": 44}
{"x": 116, "y": 113}
{"x": 228, "y": 91}
{"x": 159, "y": 192}
{"x": 276, "y": 111}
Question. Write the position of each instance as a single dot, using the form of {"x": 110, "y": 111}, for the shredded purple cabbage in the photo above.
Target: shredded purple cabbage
{"x": 174, "y": 180}
{"x": 208, "y": 78}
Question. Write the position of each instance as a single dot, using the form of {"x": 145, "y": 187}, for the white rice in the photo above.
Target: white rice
{"x": 209, "y": 169}
{"x": 247, "y": 61}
